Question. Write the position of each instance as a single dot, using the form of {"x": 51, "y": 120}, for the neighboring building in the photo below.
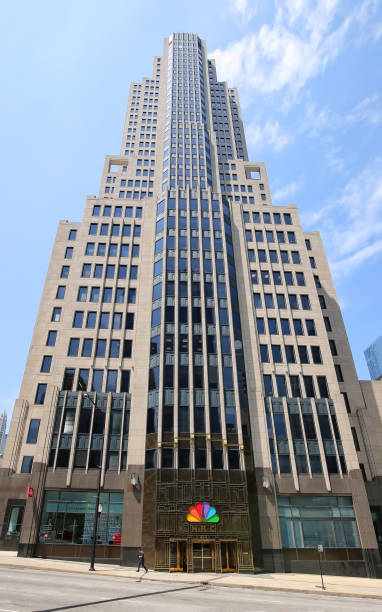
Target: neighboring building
{"x": 3, "y": 435}
{"x": 373, "y": 355}
{"x": 189, "y": 341}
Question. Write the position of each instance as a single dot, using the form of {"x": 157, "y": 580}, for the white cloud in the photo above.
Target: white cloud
{"x": 352, "y": 224}
{"x": 244, "y": 9}
{"x": 287, "y": 191}
{"x": 304, "y": 37}
{"x": 267, "y": 136}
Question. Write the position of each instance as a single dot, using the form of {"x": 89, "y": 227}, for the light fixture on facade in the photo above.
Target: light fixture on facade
{"x": 134, "y": 479}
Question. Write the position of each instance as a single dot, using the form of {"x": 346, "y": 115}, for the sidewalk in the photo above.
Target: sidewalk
{"x": 344, "y": 586}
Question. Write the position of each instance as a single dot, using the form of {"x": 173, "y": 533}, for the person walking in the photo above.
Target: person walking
{"x": 141, "y": 560}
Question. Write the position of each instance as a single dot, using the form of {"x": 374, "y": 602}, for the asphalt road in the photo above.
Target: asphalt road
{"x": 24, "y": 590}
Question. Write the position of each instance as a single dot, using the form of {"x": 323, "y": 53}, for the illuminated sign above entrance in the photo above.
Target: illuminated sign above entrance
{"x": 202, "y": 513}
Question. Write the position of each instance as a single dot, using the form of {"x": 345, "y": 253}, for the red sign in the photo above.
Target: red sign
{"x": 30, "y": 491}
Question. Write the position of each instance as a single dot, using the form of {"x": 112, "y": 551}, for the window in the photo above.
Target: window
{"x": 355, "y": 438}
{"x": 316, "y": 354}
{"x": 97, "y": 380}
{"x": 93, "y": 227}
{"x": 323, "y": 386}
{"x": 281, "y": 300}
{"x": 293, "y": 301}
{"x": 281, "y": 385}
{"x": 122, "y": 272}
{"x": 26, "y": 466}
{"x": 89, "y": 249}
{"x": 312, "y": 262}
{"x": 72, "y": 234}
{"x": 300, "y": 279}
{"x": 101, "y": 249}
{"x": 127, "y": 348}
{"x": 295, "y": 385}
{"x": 322, "y": 301}
{"x": 317, "y": 281}
{"x": 296, "y": 257}
{"x": 287, "y": 219}
{"x": 114, "y": 348}
{"x": 305, "y": 302}
{"x": 328, "y": 326}
{"x": 260, "y": 325}
{"x": 310, "y": 327}
{"x": 98, "y": 271}
{"x": 248, "y": 235}
{"x": 91, "y": 320}
{"x": 40, "y": 393}
{"x": 131, "y": 296}
{"x": 94, "y": 294}
{"x": 68, "y": 252}
{"x": 339, "y": 374}
{"x": 288, "y": 278}
{"x": 113, "y": 248}
{"x": 276, "y": 353}
{"x": 119, "y": 295}
{"x": 272, "y": 324}
{"x": 309, "y": 388}
{"x": 291, "y": 237}
{"x": 100, "y": 348}
{"x": 130, "y": 320}
{"x": 346, "y": 400}
{"x": 262, "y": 255}
{"x": 34, "y": 426}
{"x": 135, "y": 251}
{"x": 303, "y": 354}
{"x": 289, "y": 353}
{"x": 285, "y": 327}
{"x": 133, "y": 272}
{"x": 64, "y": 271}
{"x": 86, "y": 269}
{"x": 117, "y": 320}
{"x": 308, "y": 244}
{"x": 298, "y": 330}
{"x": 51, "y": 339}
{"x": 268, "y": 386}
{"x": 46, "y": 363}
{"x": 56, "y": 314}
{"x": 284, "y": 256}
{"x": 82, "y": 294}
{"x": 264, "y": 353}
{"x": 104, "y": 320}
{"x": 257, "y": 300}
{"x": 268, "y": 298}
{"x": 74, "y": 344}
{"x": 87, "y": 347}
{"x": 273, "y": 256}
{"x": 110, "y": 271}
{"x": 104, "y": 229}
{"x": 277, "y": 278}
{"x": 265, "y": 277}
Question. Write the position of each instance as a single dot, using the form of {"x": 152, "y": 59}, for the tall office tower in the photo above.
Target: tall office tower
{"x": 182, "y": 354}
{"x": 373, "y": 355}
{"x": 3, "y": 427}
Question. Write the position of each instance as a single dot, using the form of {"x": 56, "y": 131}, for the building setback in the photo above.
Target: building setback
{"x": 190, "y": 351}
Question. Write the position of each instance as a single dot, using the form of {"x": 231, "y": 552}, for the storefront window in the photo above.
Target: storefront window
{"x": 306, "y": 522}
{"x": 68, "y": 517}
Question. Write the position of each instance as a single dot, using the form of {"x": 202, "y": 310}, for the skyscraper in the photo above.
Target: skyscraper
{"x": 189, "y": 351}
{"x": 3, "y": 427}
{"x": 373, "y": 355}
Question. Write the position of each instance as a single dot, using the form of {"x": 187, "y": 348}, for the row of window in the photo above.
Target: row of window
{"x": 100, "y": 250}
{"x": 117, "y": 211}
{"x": 267, "y": 301}
{"x": 100, "y": 349}
{"x": 93, "y": 293}
{"x": 276, "y": 353}
{"x": 276, "y": 277}
{"x": 258, "y": 236}
{"x": 91, "y": 320}
{"x": 99, "y": 383}
{"x": 104, "y": 229}
{"x": 263, "y": 256}
{"x": 298, "y": 326}
{"x": 280, "y": 385}
{"x": 110, "y": 269}
{"x": 267, "y": 217}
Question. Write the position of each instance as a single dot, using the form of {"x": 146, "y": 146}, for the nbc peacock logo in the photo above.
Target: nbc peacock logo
{"x": 202, "y": 513}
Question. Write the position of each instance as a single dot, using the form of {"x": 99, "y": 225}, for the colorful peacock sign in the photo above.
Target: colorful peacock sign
{"x": 202, "y": 513}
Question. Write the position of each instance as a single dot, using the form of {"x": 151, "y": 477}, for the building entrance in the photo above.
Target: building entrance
{"x": 203, "y": 556}
{"x": 228, "y": 551}
{"x": 178, "y": 556}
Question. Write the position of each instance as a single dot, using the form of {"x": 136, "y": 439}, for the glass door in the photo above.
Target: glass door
{"x": 178, "y": 556}
{"x": 203, "y": 556}
{"x": 229, "y": 556}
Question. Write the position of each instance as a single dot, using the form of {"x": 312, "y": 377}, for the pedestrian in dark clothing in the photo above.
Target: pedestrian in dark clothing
{"x": 141, "y": 560}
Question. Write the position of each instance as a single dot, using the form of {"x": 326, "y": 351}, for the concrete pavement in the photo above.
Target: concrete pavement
{"x": 344, "y": 586}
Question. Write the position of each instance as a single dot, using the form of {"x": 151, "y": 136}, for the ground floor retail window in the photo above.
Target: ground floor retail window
{"x": 15, "y": 521}
{"x": 307, "y": 521}
{"x": 68, "y": 517}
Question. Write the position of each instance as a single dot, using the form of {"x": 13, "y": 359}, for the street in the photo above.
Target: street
{"x": 24, "y": 590}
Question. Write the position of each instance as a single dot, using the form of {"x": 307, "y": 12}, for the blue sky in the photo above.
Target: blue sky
{"x": 309, "y": 76}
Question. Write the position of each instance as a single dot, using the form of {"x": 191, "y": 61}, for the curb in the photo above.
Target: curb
{"x": 283, "y": 589}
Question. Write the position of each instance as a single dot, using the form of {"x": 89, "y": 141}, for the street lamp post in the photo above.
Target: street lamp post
{"x": 96, "y": 510}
